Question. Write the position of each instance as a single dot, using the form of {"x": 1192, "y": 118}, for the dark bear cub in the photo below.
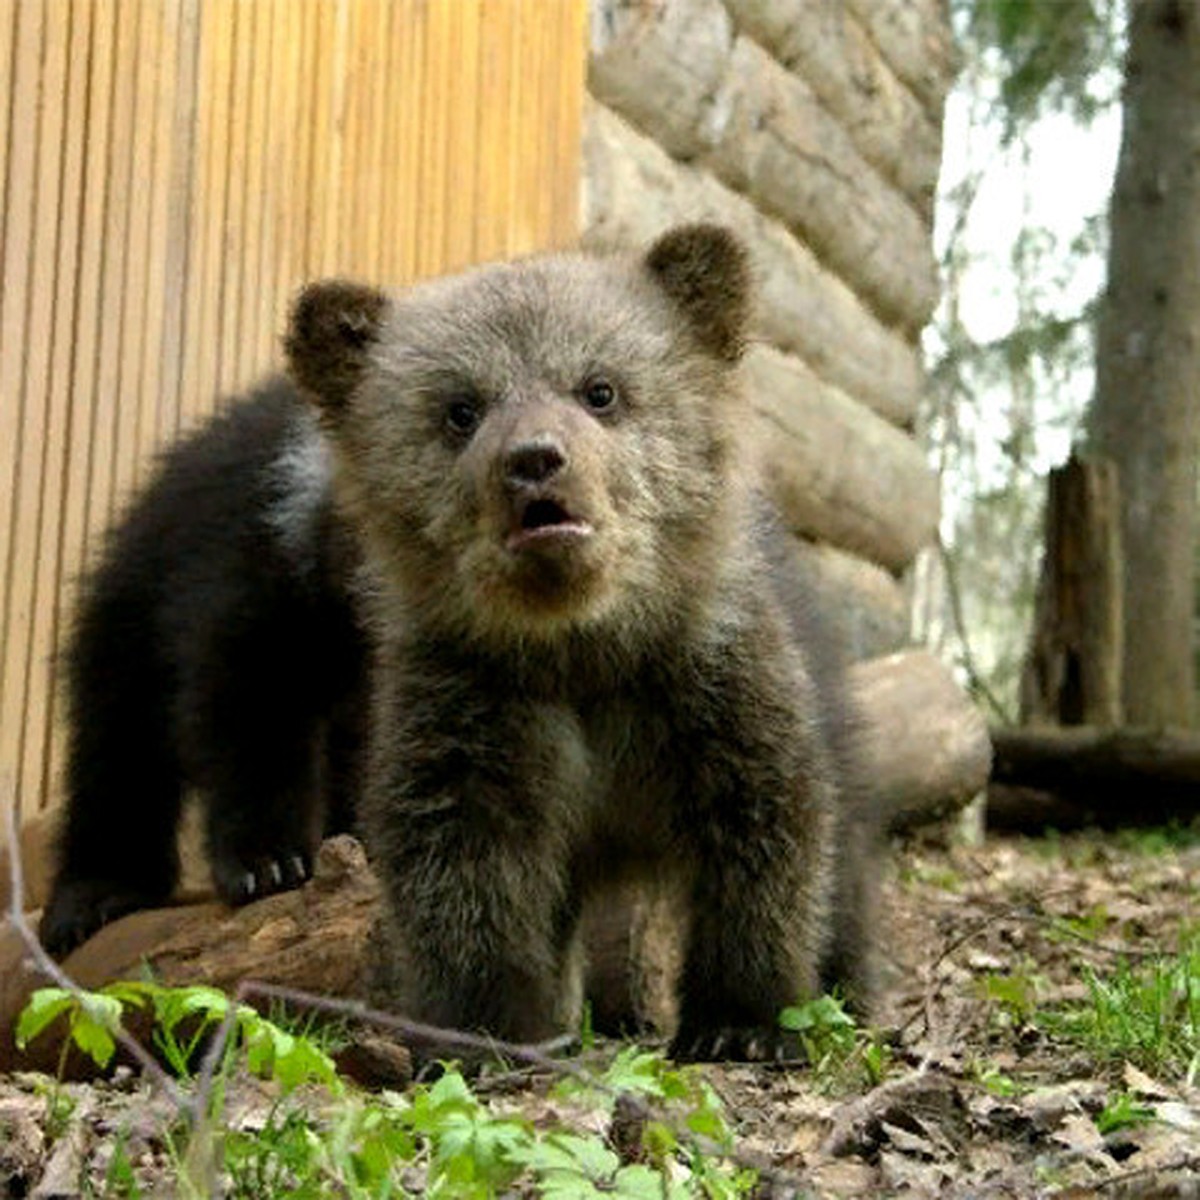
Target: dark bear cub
{"x": 589, "y": 664}
{"x": 215, "y": 648}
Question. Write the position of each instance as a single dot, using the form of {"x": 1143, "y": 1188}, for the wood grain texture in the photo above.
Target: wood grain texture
{"x": 173, "y": 170}
{"x": 635, "y": 190}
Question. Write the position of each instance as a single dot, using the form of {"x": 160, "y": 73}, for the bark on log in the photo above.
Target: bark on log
{"x": 925, "y": 752}
{"x": 771, "y": 138}
{"x": 915, "y": 38}
{"x": 1126, "y": 776}
{"x": 633, "y": 191}
{"x": 1032, "y": 811}
{"x": 312, "y": 938}
{"x": 1072, "y": 675}
{"x": 823, "y": 43}
{"x": 837, "y": 471}
{"x": 763, "y": 131}
{"x": 37, "y": 840}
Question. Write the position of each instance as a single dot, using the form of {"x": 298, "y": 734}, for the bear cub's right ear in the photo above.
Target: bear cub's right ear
{"x": 333, "y": 324}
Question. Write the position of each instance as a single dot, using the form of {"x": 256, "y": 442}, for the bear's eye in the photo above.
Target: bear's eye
{"x": 599, "y": 395}
{"x": 462, "y": 415}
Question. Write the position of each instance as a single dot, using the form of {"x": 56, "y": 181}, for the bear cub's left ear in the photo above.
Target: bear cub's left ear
{"x": 705, "y": 270}
{"x": 332, "y": 327}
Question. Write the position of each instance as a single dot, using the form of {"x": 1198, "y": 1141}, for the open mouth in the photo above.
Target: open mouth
{"x": 545, "y": 521}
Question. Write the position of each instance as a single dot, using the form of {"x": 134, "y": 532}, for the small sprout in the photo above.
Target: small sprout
{"x": 1122, "y": 1111}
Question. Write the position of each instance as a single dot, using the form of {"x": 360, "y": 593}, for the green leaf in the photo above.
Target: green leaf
{"x": 570, "y": 1153}
{"x": 132, "y": 993}
{"x": 43, "y": 1007}
{"x": 638, "y": 1182}
{"x": 451, "y": 1089}
{"x": 173, "y": 1005}
{"x": 637, "y": 1070}
{"x": 92, "y": 1038}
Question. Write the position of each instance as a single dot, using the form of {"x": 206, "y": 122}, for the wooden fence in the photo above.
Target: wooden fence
{"x": 172, "y": 170}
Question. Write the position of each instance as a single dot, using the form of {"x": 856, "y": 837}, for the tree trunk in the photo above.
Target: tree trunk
{"x": 1072, "y": 675}
{"x": 1148, "y": 355}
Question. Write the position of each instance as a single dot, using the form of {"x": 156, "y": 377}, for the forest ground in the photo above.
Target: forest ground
{"x": 1040, "y": 1036}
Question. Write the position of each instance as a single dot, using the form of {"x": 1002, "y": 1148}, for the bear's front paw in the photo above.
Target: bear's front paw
{"x": 79, "y": 907}
{"x": 737, "y": 1043}
{"x": 240, "y": 878}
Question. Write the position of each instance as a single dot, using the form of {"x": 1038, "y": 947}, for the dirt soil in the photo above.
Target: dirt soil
{"x": 980, "y": 1098}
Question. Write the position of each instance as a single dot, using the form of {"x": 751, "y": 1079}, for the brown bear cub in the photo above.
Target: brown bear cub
{"x": 589, "y": 664}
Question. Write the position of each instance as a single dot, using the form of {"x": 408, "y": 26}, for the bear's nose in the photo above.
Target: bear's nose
{"x": 534, "y": 462}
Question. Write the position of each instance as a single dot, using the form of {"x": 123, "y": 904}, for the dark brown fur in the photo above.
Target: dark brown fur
{"x": 586, "y": 669}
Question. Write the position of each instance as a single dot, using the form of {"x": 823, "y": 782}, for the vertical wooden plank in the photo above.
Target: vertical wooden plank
{"x": 43, "y": 430}
{"x": 293, "y": 33}
{"x": 367, "y": 178}
{"x": 257, "y": 343}
{"x": 463, "y": 102}
{"x": 159, "y": 296}
{"x": 8, "y": 47}
{"x": 491, "y": 180}
{"x": 349, "y": 69}
{"x": 19, "y": 207}
{"x": 405, "y": 221}
{"x": 570, "y": 49}
{"x": 375, "y": 160}
{"x": 107, "y": 391}
{"x": 435, "y": 144}
{"x": 202, "y": 348}
{"x": 301, "y": 198}
{"x": 182, "y": 211}
{"x": 320, "y": 183}
{"x": 338, "y": 203}
{"x": 136, "y": 249}
{"x": 233, "y": 256}
{"x": 392, "y": 150}
{"x": 64, "y": 365}
{"x": 18, "y": 410}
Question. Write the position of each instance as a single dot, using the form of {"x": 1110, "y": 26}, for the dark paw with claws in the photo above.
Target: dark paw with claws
{"x": 737, "y": 1043}
{"x": 79, "y": 908}
{"x": 241, "y": 878}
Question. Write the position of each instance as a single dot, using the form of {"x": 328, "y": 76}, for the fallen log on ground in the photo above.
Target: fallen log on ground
{"x": 311, "y": 939}
{"x": 925, "y": 746}
{"x": 926, "y": 753}
{"x": 1095, "y": 776}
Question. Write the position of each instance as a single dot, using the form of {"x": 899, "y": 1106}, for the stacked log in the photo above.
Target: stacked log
{"x": 813, "y": 130}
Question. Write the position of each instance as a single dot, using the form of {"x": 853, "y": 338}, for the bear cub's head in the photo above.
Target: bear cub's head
{"x": 536, "y": 444}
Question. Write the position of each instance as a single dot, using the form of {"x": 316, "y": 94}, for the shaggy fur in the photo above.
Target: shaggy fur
{"x": 591, "y": 662}
{"x": 215, "y": 649}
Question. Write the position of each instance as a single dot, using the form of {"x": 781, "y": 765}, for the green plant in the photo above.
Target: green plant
{"x": 1148, "y": 1015}
{"x": 992, "y": 1079}
{"x": 1013, "y": 996}
{"x": 841, "y": 1054}
{"x": 1085, "y": 928}
{"x": 119, "y": 1179}
{"x": 1163, "y": 839}
{"x": 437, "y": 1139}
{"x": 60, "y": 1108}
{"x": 945, "y": 878}
{"x": 183, "y": 1017}
{"x": 1121, "y": 1111}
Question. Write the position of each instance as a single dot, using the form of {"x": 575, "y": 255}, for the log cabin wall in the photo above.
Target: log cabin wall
{"x": 172, "y": 170}
{"x": 813, "y": 128}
